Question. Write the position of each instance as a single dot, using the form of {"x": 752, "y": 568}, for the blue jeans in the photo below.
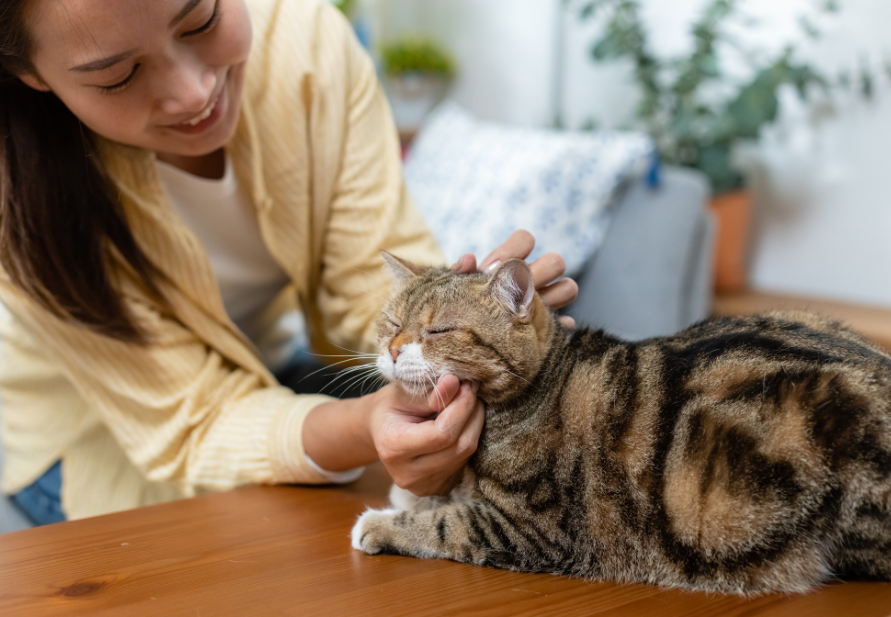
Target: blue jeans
{"x": 42, "y": 501}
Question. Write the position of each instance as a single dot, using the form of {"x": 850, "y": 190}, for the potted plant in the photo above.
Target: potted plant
{"x": 417, "y": 73}
{"x": 690, "y": 124}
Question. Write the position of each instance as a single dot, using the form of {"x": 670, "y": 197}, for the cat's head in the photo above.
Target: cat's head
{"x": 489, "y": 328}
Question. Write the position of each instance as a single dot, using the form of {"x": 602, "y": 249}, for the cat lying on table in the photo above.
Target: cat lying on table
{"x": 741, "y": 455}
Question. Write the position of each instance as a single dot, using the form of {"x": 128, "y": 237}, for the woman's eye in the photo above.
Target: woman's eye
{"x": 209, "y": 24}
{"x": 121, "y": 84}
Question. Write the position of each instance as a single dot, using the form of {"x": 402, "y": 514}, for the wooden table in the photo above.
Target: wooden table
{"x": 285, "y": 551}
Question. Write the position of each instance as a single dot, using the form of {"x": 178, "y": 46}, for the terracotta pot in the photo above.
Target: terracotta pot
{"x": 733, "y": 212}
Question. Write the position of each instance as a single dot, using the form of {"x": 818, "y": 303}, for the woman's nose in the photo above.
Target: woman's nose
{"x": 186, "y": 87}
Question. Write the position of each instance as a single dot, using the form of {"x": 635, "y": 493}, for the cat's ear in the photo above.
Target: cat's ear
{"x": 402, "y": 270}
{"x": 512, "y": 286}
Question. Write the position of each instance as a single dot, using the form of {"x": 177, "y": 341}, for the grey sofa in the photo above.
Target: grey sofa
{"x": 651, "y": 276}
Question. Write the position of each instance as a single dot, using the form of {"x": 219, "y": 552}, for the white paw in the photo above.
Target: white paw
{"x": 363, "y": 528}
{"x": 402, "y": 499}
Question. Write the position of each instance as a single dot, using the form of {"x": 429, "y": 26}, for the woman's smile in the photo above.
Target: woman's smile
{"x": 206, "y": 118}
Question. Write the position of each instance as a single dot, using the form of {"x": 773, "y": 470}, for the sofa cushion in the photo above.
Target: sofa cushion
{"x": 476, "y": 182}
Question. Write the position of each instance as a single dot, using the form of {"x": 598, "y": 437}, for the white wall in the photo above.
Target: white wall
{"x": 503, "y": 48}
{"x": 824, "y": 207}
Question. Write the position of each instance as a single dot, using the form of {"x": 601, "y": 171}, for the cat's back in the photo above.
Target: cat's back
{"x": 765, "y": 431}
{"x": 779, "y": 334}
{"x": 704, "y": 450}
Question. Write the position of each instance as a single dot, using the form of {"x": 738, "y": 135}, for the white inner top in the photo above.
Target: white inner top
{"x": 221, "y": 215}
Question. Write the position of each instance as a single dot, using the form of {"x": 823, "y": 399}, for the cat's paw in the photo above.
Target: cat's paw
{"x": 402, "y": 499}
{"x": 370, "y": 533}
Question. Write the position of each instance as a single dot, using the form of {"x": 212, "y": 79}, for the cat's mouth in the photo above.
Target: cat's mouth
{"x": 411, "y": 371}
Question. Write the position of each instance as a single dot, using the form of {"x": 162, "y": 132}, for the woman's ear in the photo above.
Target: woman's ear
{"x": 32, "y": 80}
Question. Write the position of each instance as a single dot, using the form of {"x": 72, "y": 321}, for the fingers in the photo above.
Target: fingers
{"x": 438, "y": 472}
{"x": 559, "y": 294}
{"x": 450, "y": 423}
{"x": 519, "y": 244}
{"x": 446, "y": 389}
{"x": 413, "y": 439}
{"x": 567, "y": 322}
{"x": 547, "y": 269}
{"x": 447, "y": 460}
{"x": 466, "y": 264}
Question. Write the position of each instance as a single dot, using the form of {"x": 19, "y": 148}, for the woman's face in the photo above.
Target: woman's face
{"x": 165, "y": 75}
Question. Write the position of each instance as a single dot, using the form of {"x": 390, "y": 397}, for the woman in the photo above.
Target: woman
{"x": 166, "y": 188}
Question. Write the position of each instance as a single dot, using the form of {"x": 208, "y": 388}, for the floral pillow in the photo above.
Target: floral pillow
{"x": 476, "y": 182}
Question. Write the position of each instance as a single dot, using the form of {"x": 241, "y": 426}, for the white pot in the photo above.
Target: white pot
{"x": 412, "y": 96}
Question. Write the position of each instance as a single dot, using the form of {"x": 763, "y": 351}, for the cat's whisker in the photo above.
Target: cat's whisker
{"x": 430, "y": 377}
{"x": 517, "y": 376}
{"x": 362, "y": 368}
{"x": 376, "y": 295}
{"x": 351, "y": 377}
{"x": 383, "y": 283}
{"x": 374, "y": 379}
{"x": 329, "y": 366}
{"x": 360, "y": 353}
{"x": 361, "y": 371}
{"x": 322, "y": 355}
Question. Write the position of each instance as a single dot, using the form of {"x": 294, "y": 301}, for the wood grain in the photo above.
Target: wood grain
{"x": 286, "y": 551}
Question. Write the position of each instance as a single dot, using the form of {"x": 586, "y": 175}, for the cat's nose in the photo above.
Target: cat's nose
{"x": 394, "y": 351}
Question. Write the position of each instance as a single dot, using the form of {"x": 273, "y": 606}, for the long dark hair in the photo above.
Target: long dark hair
{"x": 59, "y": 219}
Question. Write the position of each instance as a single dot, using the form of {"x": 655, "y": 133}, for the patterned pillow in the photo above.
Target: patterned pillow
{"x": 477, "y": 182}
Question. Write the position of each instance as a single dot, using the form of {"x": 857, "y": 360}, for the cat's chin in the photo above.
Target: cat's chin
{"x": 414, "y": 388}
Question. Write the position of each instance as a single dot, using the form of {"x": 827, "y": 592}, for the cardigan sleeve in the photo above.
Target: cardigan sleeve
{"x": 180, "y": 411}
{"x": 369, "y": 208}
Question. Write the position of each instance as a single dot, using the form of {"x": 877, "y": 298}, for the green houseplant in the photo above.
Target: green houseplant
{"x": 346, "y": 6}
{"x": 689, "y": 124}
{"x": 416, "y": 55}
{"x": 417, "y": 73}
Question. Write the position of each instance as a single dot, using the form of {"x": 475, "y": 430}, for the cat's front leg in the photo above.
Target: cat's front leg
{"x": 472, "y": 532}
{"x": 403, "y": 499}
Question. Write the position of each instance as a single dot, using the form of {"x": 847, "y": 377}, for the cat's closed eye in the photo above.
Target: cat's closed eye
{"x": 396, "y": 327}
{"x": 440, "y": 330}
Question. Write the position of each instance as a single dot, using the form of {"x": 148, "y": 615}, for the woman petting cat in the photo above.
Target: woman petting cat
{"x": 740, "y": 455}
{"x": 174, "y": 175}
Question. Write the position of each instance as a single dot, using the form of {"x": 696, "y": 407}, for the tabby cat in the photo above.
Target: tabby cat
{"x": 742, "y": 455}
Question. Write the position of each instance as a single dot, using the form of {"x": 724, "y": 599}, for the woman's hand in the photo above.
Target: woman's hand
{"x": 545, "y": 270}
{"x": 423, "y": 442}
{"x": 422, "y": 454}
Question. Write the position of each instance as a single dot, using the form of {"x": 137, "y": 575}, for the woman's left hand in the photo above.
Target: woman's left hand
{"x": 545, "y": 270}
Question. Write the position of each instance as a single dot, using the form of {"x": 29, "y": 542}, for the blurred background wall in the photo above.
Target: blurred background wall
{"x": 823, "y": 221}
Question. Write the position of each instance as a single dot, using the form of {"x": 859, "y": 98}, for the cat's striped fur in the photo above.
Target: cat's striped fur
{"x": 742, "y": 455}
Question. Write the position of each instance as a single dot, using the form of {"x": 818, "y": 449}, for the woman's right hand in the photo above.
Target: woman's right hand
{"x": 425, "y": 442}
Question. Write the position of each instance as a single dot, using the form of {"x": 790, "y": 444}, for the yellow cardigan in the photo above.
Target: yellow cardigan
{"x": 196, "y": 410}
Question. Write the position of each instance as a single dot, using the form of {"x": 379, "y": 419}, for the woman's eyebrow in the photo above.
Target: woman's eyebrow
{"x": 104, "y": 63}
{"x": 191, "y": 4}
